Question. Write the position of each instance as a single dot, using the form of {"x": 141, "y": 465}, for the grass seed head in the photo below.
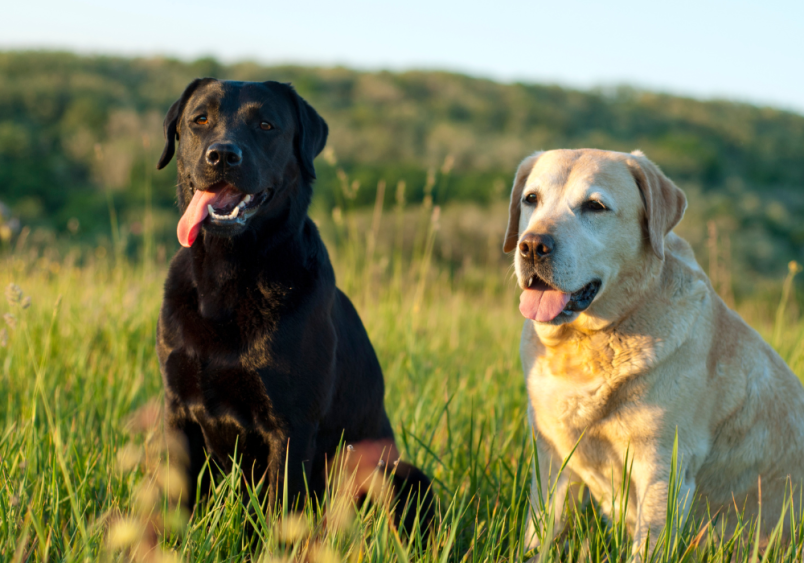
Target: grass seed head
{"x": 176, "y": 446}
{"x": 170, "y": 479}
{"x": 156, "y": 508}
{"x": 449, "y": 162}
{"x": 321, "y": 553}
{"x": 13, "y": 294}
{"x": 146, "y": 498}
{"x": 147, "y": 418}
{"x": 125, "y": 532}
{"x": 166, "y": 557}
{"x": 293, "y": 528}
{"x": 340, "y": 516}
{"x": 329, "y": 156}
{"x": 129, "y": 458}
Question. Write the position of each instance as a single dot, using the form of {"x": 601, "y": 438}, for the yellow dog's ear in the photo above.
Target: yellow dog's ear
{"x": 522, "y": 173}
{"x": 664, "y": 201}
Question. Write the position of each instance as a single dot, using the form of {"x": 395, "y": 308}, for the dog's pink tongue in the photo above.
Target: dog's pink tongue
{"x": 190, "y": 222}
{"x": 542, "y": 305}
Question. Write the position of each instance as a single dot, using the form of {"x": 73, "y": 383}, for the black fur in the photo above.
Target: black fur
{"x": 258, "y": 348}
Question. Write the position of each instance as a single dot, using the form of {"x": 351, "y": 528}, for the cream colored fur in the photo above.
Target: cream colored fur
{"x": 657, "y": 352}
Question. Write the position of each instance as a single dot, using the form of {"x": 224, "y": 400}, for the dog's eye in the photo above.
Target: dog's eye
{"x": 531, "y": 199}
{"x": 594, "y": 205}
{"x": 265, "y": 126}
{"x": 202, "y": 120}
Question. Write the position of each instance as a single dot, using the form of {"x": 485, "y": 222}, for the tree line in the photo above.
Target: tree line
{"x": 78, "y": 131}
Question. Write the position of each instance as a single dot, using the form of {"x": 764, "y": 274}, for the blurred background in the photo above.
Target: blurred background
{"x": 433, "y": 102}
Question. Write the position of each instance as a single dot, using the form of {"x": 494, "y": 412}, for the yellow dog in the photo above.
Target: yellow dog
{"x": 627, "y": 343}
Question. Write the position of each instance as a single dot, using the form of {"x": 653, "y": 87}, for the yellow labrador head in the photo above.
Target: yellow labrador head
{"x": 587, "y": 225}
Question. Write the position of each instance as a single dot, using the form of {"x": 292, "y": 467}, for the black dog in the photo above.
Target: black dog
{"x": 260, "y": 353}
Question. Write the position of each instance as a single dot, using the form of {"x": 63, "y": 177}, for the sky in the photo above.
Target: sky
{"x": 738, "y": 50}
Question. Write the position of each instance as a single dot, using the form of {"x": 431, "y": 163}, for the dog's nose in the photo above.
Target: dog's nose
{"x": 536, "y": 247}
{"x": 224, "y": 154}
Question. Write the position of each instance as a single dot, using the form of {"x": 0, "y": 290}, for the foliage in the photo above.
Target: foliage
{"x": 81, "y": 134}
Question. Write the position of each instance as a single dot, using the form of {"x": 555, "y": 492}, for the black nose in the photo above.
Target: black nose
{"x": 536, "y": 247}
{"x": 224, "y": 154}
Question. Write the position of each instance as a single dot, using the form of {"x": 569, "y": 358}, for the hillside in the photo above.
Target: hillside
{"x": 79, "y": 132}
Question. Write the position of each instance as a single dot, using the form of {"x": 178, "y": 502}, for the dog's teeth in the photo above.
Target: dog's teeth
{"x": 231, "y": 215}
{"x": 247, "y": 198}
{"x": 530, "y": 282}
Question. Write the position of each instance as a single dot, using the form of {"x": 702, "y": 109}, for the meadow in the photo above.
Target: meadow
{"x": 83, "y": 472}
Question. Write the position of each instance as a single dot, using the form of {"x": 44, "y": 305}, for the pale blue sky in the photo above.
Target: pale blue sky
{"x": 750, "y": 51}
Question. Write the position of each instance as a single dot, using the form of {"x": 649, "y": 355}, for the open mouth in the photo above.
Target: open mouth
{"x": 221, "y": 205}
{"x": 541, "y": 302}
{"x": 231, "y": 205}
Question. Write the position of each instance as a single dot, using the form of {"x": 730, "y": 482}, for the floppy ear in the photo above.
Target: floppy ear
{"x": 311, "y": 136}
{"x": 522, "y": 173}
{"x": 172, "y": 121}
{"x": 664, "y": 201}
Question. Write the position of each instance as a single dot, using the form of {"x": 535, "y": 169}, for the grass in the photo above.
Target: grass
{"x": 83, "y": 474}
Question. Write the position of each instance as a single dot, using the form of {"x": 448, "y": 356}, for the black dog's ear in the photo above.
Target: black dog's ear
{"x": 172, "y": 121}
{"x": 311, "y": 136}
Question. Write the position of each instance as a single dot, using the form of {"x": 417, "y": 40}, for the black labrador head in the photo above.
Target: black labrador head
{"x": 245, "y": 155}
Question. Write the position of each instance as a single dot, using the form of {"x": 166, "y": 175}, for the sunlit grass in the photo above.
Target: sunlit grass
{"x": 82, "y": 456}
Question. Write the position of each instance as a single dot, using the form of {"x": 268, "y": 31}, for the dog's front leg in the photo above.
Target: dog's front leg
{"x": 653, "y": 498}
{"x": 549, "y": 491}
{"x": 293, "y": 450}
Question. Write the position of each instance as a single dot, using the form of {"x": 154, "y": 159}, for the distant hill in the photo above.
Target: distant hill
{"x": 76, "y": 129}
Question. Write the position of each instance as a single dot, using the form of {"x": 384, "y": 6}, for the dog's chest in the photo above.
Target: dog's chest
{"x": 579, "y": 384}
{"x": 245, "y": 359}
{"x": 589, "y": 390}
{"x": 220, "y": 391}
{"x": 219, "y": 367}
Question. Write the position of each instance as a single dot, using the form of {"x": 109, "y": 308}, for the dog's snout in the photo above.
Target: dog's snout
{"x": 224, "y": 154}
{"x": 536, "y": 247}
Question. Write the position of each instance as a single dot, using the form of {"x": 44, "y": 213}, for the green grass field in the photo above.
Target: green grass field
{"x": 82, "y": 457}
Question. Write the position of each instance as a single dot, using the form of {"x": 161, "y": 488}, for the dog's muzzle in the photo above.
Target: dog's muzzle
{"x": 221, "y": 205}
{"x": 542, "y": 302}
